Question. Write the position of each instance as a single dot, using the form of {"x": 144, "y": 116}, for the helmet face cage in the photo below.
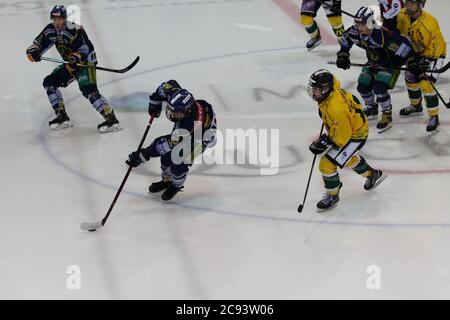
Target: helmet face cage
{"x": 179, "y": 105}
{"x": 320, "y": 85}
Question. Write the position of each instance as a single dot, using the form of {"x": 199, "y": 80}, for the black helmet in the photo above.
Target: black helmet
{"x": 58, "y": 11}
{"x": 320, "y": 85}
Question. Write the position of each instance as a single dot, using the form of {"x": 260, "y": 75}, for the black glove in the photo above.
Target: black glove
{"x": 136, "y": 158}
{"x": 155, "y": 105}
{"x": 75, "y": 58}
{"x": 34, "y": 53}
{"x": 154, "y": 110}
{"x": 343, "y": 60}
{"x": 418, "y": 64}
{"x": 320, "y": 145}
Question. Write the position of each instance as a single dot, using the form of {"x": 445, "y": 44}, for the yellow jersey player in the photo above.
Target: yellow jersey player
{"x": 308, "y": 13}
{"x": 347, "y": 132}
{"x": 429, "y": 45}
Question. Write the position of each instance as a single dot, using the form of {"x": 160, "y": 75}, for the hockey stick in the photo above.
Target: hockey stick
{"x": 446, "y": 104}
{"x": 95, "y": 67}
{"x": 300, "y": 207}
{"x": 442, "y": 70}
{"x": 93, "y": 226}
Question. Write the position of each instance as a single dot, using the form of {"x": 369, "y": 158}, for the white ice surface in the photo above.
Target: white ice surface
{"x": 232, "y": 233}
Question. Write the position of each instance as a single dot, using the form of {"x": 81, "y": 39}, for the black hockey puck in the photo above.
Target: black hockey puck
{"x": 92, "y": 230}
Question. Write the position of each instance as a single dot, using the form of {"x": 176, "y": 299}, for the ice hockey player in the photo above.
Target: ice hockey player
{"x": 308, "y": 13}
{"x": 429, "y": 45}
{"x": 347, "y": 131}
{"x": 389, "y": 10}
{"x": 386, "y": 51}
{"x": 74, "y": 46}
{"x": 194, "y": 126}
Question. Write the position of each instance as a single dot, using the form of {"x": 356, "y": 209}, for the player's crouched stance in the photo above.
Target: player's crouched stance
{"x": 193, "y": 131}
{"x": 347, "y": 127}
{"x": 74, "y": 46}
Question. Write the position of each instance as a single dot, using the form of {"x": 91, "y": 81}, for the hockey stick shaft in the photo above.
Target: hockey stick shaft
{"x": 127, "y": 174}
{"x": 95, "y": 67}
{"x": 370, "y": 65}
{"x": 442, "y": 70}
{"x": 300, "y": 207}
{"x": 446, "y": 104}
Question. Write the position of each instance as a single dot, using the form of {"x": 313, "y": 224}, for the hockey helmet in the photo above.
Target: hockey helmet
{"x": 320, "y": 85}
{"x": 365, "y": 15}
{"x": 179, "y": 105}
{"x": 58, "y": 11}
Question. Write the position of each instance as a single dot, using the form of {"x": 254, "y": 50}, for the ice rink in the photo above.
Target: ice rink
{"x": 233, "y": 233}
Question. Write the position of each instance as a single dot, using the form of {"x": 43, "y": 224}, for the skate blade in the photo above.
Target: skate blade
{"x": 383, "y": 177}
{"x": 61, "y": 126}
{"x": 113, "y": 128}
{"x": 385, "y": 129}
{"x": 413, "y": 115}
{"x": 318, "y": 43}
{"x": 433, "y": 133}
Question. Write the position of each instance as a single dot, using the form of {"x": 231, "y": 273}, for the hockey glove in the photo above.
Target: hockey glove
{"x": 155, "y": 105}
{"x": 343, "y": 60}
{"x": 136, "y": 158}
{"x": 34, "y": 53}
{"x": 320, "y": 145}
{"x": 75, "y": 58}
{"x": 418, "y": 64}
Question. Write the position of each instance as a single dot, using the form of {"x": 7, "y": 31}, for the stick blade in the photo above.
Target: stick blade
{"x": 131, "y": 66}
{"x": 91, "y": 226}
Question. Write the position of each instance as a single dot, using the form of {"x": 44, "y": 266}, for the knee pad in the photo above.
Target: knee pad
{"x": 90, "y": 92}
{"x": 364, "y": 89}
{"x": 306, "y": 21}
{"x": 326, "y": 167}
{"x": 366, "y": 78}
{"x": 413, "y": 86}
{"x": 50, "y": 82}
{"x": 380, "y": 87}
{"x": 389, "y": 78}
{"x": 335, "y": 21}
{"x": 354, "y": 161}
{"x": 426, "y": 88}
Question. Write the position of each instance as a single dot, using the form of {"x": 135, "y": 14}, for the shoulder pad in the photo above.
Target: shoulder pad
{"x": 352, "y": 31}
